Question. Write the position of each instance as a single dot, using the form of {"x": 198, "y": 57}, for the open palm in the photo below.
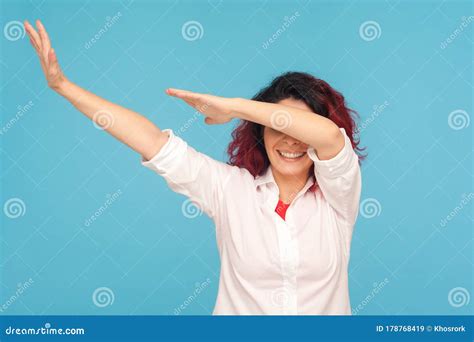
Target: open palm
{"x": 217, "y": 109}
{"x": 47, "y": 56}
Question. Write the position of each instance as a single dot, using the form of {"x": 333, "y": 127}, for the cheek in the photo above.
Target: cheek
{"x": 269, "y": 141}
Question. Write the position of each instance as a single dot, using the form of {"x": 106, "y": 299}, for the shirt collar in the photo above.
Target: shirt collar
{"x": 267, "y": 177}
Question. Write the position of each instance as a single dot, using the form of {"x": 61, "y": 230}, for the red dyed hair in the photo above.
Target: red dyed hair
{"x": 247, "y": 149}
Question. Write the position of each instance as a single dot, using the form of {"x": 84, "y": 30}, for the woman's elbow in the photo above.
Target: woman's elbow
{"x": 333, "y": 144}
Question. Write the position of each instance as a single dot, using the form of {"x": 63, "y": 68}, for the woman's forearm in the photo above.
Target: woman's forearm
{"x": 129, "y": 127}
{"x": 315, "y": 130}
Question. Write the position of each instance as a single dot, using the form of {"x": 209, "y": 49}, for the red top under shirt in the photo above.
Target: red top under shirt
{"x": 281, "y": 208}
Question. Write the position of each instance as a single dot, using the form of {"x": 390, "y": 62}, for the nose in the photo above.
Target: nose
{"x": 290, "y": 140}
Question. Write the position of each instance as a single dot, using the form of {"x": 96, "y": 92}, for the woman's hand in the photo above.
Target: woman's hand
{"x": 217, "y": 109}
{"x": 46, "y": 54}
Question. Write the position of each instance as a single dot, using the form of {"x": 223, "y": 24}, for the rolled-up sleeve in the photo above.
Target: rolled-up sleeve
{"x": 191, "y": 173}
{"x": 339, "y": 179}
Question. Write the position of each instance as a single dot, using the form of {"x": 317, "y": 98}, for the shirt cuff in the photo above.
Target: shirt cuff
{"x": 337, "y": 165}
{"x": 166, "y": 158}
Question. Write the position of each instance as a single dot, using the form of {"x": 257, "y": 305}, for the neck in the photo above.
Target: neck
{"x": 289, "y": 185}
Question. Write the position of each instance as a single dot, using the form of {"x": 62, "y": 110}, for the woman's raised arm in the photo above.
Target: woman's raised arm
{"x": 129, "y": 127}
{"x": 317, "y": 131}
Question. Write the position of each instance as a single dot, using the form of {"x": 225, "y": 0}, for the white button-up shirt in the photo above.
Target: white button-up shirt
{"x": 270, "y": 266}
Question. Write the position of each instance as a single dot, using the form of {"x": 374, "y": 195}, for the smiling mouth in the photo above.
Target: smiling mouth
{"x": 291, "y": 155}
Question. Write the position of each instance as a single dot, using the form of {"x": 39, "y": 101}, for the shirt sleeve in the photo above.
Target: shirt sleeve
{"x": 191, "y": 173}
{"x": 339, "y": 179}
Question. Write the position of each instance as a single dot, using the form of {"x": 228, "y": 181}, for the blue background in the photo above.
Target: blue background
{"x": 142, "y": 248}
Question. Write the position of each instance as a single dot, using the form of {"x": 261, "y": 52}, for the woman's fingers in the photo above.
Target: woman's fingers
{"x": 45, "y": 42}
{"x": 53, "y": 60}
{"x": 196, "y": 100}
{"x": 38, "y": 52}
{"x": 34, "y": 45}
{"x": 35, "y": 41}
{"x": 33, "y": 36}
{"x": 47, "y": 55}
{"x": 210, "y": 121}
{"x": 191, "y": 103}
{"x": 183, "y": 94}
{"x": 52, "y": 57}
{"x": 215, "y": 121}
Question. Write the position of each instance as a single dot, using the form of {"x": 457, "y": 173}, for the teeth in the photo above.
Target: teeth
{"x": 291, "y": 155}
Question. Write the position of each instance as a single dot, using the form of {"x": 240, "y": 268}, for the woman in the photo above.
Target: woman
{"x": 284, "y": 206}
